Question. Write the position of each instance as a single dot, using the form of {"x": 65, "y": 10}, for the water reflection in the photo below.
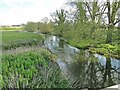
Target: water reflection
{"x": 87, "y": 70}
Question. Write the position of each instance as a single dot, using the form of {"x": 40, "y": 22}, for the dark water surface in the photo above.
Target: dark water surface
{"x": 84, "y": 69}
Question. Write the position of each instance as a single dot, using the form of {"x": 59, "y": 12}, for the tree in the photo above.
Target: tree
{"x": 43, "y": 27}
{"x": 112, "y": 9}
{"x": 59, "y": 18}
{"x": 45, "y": 20}
{"x": 30, "y": 26}
{"x": 118, "y": 26}
{"x": 91, "y": 13}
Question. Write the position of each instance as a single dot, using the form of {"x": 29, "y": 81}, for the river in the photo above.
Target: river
{"x": 83, "y": 69}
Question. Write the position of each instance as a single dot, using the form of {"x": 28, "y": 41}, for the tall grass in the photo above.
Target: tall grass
{"x": 31, "y": 70}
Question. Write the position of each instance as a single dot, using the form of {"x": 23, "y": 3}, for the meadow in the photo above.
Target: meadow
{"x": 14, "y": 39}
{"x": 12, "y": 36}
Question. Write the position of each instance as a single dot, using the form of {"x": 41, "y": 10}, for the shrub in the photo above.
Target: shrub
{"x": 107, "y": 50}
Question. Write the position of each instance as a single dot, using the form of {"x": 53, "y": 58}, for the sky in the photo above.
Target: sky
{"x": 22, "y": 11}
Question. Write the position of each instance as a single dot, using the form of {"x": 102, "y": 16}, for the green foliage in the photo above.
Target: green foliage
{"x": 42, "y": 27}
{"x": 81, "y": 12}
{"x": 83, "y": 43}
{"x": 20, "y": 68}
{"x": 30, "y": 26}
{"x": 59, "y": 18}
{"x": 31, "y": 69}
{"x": 1, "y": 82}
{"x": 107, "y": 50}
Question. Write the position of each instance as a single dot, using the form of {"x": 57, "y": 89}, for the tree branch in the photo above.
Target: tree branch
{"x": 118, "y": 21}
{"x": 89, "y": 9}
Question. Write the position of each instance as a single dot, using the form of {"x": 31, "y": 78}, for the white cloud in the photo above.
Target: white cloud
{"x": 21, "y": 11}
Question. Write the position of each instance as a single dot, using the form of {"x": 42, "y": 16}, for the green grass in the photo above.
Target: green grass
{"x": 14, "y": 39}
{"x": 83, "y": 43}
{"x": 12, "y": 36}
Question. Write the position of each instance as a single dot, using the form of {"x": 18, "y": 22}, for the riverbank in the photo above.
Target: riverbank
{"x": 31, "y": 69}
{"x": 108, "y": 50}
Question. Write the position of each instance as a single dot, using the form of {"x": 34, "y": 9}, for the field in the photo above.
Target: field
{"x": 12, "y": 36}
{"x": 14, "y": 39}
{"x": 8, "y": 28}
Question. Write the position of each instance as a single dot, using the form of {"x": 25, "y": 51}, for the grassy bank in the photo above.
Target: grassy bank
{"x": 32, "y": 69}
{"x": 83, "y": 44}
{"x": 108, "y": 50}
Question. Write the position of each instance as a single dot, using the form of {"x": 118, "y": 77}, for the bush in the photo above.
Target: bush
{"x": 107, "y": 50}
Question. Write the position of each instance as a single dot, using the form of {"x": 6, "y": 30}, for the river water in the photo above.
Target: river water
{"x": 84, "y": 70}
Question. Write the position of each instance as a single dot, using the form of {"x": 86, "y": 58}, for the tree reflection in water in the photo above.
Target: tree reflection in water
{"x": 90, "y": 73}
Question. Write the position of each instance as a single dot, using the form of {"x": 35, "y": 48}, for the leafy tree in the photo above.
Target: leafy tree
{"x": 89, "y": 18}
{"x": 30, "y": 26}
{"x": 59, "y": 18}
{"x": 43, "y": 27}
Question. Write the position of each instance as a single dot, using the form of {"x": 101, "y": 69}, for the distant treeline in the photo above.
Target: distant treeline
{"x": 11, "y": 28}
{"x": 42, "y": 27}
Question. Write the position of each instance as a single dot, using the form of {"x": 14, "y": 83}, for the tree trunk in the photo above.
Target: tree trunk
{"x": 109, "y": 34}
{"x": 108, "y": 73}
{"x": 61, "y": 42}
{"x": 119, "y": 28}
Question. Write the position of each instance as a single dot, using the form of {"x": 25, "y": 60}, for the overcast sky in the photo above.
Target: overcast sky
{"x": 21, "y": 11}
